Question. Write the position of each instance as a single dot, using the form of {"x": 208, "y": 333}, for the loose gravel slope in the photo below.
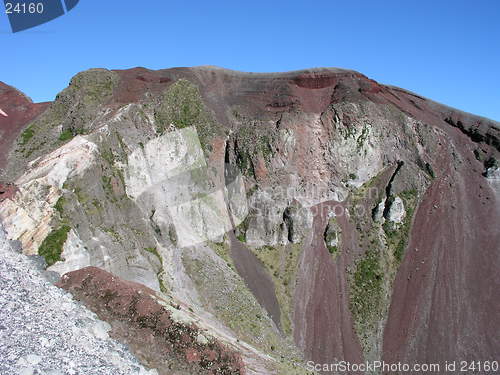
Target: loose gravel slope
{"x": 44, "y": 331}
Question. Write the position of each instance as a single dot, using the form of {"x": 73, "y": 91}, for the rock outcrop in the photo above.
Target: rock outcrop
{"x": 311, "y": 215}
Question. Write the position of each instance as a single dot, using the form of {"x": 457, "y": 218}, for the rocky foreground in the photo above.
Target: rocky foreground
{"x": 43, "y": 330}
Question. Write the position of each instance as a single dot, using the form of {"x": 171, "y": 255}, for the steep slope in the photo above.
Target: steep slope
{"x": 16, "y": 110}
{"x": 43, "y": 330}
{"x": 314, "y": 212}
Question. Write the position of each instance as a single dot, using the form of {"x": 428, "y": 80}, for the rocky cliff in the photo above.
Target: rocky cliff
{"x": 312, "y": 215}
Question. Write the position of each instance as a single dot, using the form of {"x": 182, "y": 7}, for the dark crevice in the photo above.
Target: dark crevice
{"x": 474, "y": 134}
{"x": 278, "y": 122}
{"x": 287, "y": 219}
{"x": 430, "y": 170}
{"x": 230, "y": 171}
{"x": 226, "y": 152}
{"x": 388, "y": 189}
{"x": 492, "y": 163}
{"x": 244, "y": 161}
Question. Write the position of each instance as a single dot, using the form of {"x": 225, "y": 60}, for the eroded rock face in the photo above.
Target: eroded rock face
{"x": 218, "y": 189}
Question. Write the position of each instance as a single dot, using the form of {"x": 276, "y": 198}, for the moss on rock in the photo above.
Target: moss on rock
{"x": 51, "y": 248}
{"x": 181, "y": 105}
{"x": 397, "y": 236}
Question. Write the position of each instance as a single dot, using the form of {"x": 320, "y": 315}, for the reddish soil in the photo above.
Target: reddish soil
{"x": 139, "y": 321}
{"x": 256, "y": 278}
{"x": 20, "y": 111}
{"x": 7, "y": 191}
{"x": 445, "y": 304}
{"x": 323, "y": 323}
{"x": 134, "y": 83}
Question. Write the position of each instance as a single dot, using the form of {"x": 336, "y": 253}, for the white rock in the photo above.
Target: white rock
{"x": 397, "y": 211}
{"x": 379, "y": 211}
{"x": 27, "y": 371}
{"x": 493, "y": 177}
{"x": 201, "y": 339}
{"x": 27, "y": 217}
{"x": 33, "y": 359}
{"x": 44, "y": 342}
{"x": 100, "y": 329}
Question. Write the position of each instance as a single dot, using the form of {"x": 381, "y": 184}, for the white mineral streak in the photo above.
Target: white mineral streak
{"x": 27, "y": 216}
{"x": 162, "y": 158}
{"x": 172, "y": 171}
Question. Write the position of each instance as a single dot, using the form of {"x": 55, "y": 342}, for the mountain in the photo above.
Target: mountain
{"x": 263, "y": 220}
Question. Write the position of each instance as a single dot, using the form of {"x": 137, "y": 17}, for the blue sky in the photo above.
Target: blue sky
{"x": 445, "y": 50}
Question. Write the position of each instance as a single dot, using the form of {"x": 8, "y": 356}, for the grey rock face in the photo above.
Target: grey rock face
{"x": 378, "y": 211}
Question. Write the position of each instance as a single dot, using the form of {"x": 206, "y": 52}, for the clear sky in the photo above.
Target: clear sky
{"x": 446, "y": 50}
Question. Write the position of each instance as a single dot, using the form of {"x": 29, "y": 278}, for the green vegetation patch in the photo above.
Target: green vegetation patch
{"x": 241, "y": 230}
{"x": 245, "y": 163}
{"x": 253, "y": 139}
{"x": 223, "y": 251}
{"x": 334, "y": 250}
{"x": 116, "y": 236}
{"x": 74, "y": 108}
{"x": 66, "y": 135}
{"x": 373, "y": 274}
{"x": 51, "y": 248}
{"x": 367, "y": 287}
{"x": 281, "y": 263}
{"x": 397, "y": 236}
{"x": 59, "y": 206}
{"x": 182, "y": 106}
{"x": 237, "y": 307}
{"x": 360, "y": 141}
{"x": 93, "y": 87}
{"x": 27, "y": 134}
{"x": 154, "y": 251}
{"x": 264, "y": 145}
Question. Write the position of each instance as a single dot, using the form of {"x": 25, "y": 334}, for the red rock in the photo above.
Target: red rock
{"x": 20, "y": 110}
{"x": 192, "y": 355}
{"x": 7, "y": 191}
{"x": 138, "y": 320}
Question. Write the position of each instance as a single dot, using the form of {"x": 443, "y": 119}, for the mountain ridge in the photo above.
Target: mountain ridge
{"x": 321, "y": 202}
